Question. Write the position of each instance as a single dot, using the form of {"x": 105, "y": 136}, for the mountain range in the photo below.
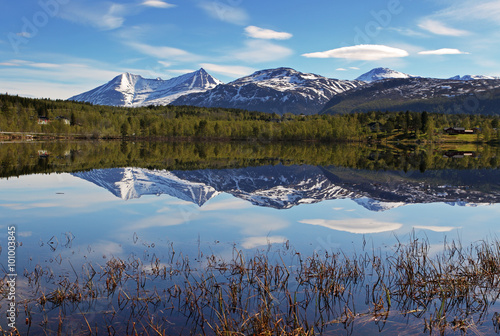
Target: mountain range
{"x": 285, "y": 90}
{"x": 283, "y": 187}
{"x": 280, "y": 91}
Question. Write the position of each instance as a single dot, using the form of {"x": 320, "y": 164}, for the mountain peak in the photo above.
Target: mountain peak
{"x": 472, "y": 77}
{"x": 132, "y": 90}
{"x": 380, "y": 73}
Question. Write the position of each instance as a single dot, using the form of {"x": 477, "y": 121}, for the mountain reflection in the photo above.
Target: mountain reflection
{"x": 276, "y": 175}
{"x": 282, "y": 187}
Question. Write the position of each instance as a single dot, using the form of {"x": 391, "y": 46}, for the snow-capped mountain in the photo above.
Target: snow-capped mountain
{"x": 281, "y": 90}
{"x": 380, "y": 74}
{"x": 473, "y": 77}
{"x": 285, "y": 90}
{"x": 133, "y": 90}
{"x": 282, "y": 187}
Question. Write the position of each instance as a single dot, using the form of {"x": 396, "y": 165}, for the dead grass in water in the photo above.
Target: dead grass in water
{"x": 282, "y": 293}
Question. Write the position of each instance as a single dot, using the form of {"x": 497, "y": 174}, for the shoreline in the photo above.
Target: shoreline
{"x": 31, "y": 136}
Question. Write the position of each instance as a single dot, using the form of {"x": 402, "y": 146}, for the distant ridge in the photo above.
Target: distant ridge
{"x": 473, "y": 77}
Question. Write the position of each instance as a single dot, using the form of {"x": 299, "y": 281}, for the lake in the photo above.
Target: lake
{"x": 203, "y": 238}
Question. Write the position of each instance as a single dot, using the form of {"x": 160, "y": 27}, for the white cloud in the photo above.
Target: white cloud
{"x": 225, "y": 205}
{"x": 253, "y": 242}
{"x": 472, "y": 10}
{"x": 165, "y": 64}
{"x": 235, "y": 71}
{"x": 9, "y": 64}
{"x": 159, "y": 221}
{"x": 355, "y": 225}
{"x": 44, "y": 65}
{"x": 254, "y": 224}
{"x": 225, "y": 12}
{"x": 257, "y": 51}
{"x": 443, "y": 51}
{"x": 25, "y": 234}
{"x": 349, "y": 68}
{"x": 436, "y": 228}
{"x": 439, "y": 28}
{"x": 18, "y": 63}
{"x": 24, "y": 34}
{"x": 362, "y": 52}
{"x": 103, "y": 16}
{"x": 407, "y": 32}
{"x": 157, "y": 4}
{"x": 266, "y": 34}
{"x": 49, "y": 80}
{"x": 181, "y": 71}
{"x": 162, "y": 52}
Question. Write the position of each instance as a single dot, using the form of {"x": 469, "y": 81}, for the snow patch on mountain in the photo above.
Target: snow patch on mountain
{"x": 380, "y": 74}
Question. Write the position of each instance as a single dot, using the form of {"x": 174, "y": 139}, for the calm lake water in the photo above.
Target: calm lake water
{"x": 80, "y": 204}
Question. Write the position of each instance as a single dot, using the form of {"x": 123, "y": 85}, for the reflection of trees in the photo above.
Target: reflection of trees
{"x": 23, "y": 158}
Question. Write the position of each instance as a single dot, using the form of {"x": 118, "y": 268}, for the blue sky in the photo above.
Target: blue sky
{"x": 59, "y": 48}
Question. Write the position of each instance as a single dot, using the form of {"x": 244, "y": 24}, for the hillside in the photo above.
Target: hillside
{"x": 481, "y": 96}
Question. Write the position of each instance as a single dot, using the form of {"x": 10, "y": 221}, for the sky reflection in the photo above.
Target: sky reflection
{"x": 103, "y": 225}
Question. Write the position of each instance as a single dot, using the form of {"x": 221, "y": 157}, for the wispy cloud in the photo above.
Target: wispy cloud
{"x": 254, "y": 225}
{"x": 165, "y": 64}
{"x": 18, "y": 63}
{"x": 362, "y": 52}
{"x": 157, "y": 4}
{"x": 225, "y": 12}
{"x": 355, "y": 225}
{"x": 406, "y": 32}
{"x": 266, "y": 34}
{"x": 178, "y": 72}
{"x": 43, "y": 79}
{"x": 436, "y": 228}
{"x": 257, "y": 51}
{"x": 162, "y": 52}
{"x": 472, "y": 10}
{"x": 349, "y": 68}
{"x": 235, "y": 71}
{"x": 439, "y": 28}
{"x": 443, "y": 51}
{"x": 253, "y": 242}
{"x": 24, "y": 34}
{"x": 104, "y": 16}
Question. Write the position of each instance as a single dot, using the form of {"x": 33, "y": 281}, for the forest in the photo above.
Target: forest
{"x": 83, "y": 120}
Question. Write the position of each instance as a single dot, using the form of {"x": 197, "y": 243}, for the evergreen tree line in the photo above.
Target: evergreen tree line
{"x": 18, "y": 114}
